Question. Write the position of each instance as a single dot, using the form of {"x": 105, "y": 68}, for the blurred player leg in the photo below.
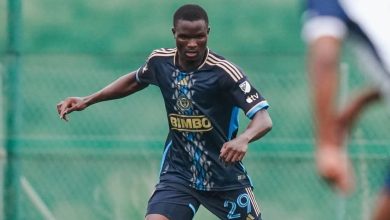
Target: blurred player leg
{"x": 382, "y": 211}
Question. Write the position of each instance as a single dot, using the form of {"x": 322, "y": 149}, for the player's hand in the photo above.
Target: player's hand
{"x": 69, "y": 105}
{"x": 335, "y": 167}
{"x": 234, "y": 150}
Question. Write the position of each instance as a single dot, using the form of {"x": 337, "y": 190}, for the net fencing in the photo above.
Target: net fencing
{"x": 104, "y": 162}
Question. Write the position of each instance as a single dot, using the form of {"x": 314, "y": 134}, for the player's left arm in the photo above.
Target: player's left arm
{"x": 235, "y": 149}
{"x": 123, "y": 86}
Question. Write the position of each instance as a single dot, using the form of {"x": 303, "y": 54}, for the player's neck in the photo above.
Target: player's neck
{"x": 189, "y": 65}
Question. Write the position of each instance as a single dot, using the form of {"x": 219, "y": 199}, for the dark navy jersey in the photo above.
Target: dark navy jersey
{"x": 202, "y": 110}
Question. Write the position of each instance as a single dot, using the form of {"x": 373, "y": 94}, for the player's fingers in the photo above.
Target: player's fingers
{"x": 69, "y": 110}
{"x": 331, "y": 181}
{"x": 223, "y": 151}
{"x": 229, "y": 157}
{"x": 62, "y": 114}
{"x": 340, "y": 179}
{"x": 59, "y": 107}
{"x": 64, "y": 107}
{"x": 236, "y": 157}
{"x": 65, "y": 110}
{"x": 340, "y": 185}
{"x": 241, "y": 156}
{"x": 65, "y": 117}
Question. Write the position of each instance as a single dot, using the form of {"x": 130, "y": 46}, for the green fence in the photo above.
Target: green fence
{"x": 104, "y": 163}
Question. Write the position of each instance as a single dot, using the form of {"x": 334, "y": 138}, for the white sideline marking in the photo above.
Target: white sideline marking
{"x": 36, "y": 200}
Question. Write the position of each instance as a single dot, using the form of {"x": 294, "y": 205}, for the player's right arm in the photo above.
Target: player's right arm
{"x": 123, "y": 86}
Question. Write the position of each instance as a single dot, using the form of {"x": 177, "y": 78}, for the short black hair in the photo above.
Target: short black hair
{"x": 190, "y": 12}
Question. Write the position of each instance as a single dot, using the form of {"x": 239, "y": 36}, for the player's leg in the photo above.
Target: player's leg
{"x": 233, "y": 204}
{"x": 169, "y": 203}
{"x": 349, "y": 115}
{"x": 333, "y": 163}
{"x": 382, "y": 209}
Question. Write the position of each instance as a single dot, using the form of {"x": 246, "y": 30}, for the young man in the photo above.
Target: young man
{"x": 202, "y": 93}
{"x": 327, "y": 25}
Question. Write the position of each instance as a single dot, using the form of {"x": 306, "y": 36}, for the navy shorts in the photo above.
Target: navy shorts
{"x": 177, "y": 202}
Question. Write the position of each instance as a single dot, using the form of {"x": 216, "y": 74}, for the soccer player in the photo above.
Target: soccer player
{"x": 326, "y": 26}
{"x": 203, "y": 92}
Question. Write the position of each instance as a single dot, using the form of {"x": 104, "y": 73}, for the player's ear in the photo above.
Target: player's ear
{"x": 173, "y": 31}
{"x": 208, "y": 30}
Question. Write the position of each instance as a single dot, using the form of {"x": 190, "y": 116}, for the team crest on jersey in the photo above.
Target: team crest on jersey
{"x": 183, "y": 103}
{"x": 245, "y": 87}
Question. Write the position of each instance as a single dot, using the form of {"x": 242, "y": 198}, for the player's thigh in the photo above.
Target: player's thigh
{"x": 234, "y": 204}
{"x": 172, "y": 204}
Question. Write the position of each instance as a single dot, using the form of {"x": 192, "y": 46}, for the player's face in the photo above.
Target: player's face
{"x": 191, "y": 41}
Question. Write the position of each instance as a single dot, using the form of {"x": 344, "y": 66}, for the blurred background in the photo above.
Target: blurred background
{"x": 104, "y": 162}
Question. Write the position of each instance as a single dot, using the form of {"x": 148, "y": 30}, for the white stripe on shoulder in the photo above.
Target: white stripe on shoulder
{"x": 233, "y": 69}
{"x": 162, "y": 53}
{"x": 224, "y": 68}
{"x": 165, "y": 50}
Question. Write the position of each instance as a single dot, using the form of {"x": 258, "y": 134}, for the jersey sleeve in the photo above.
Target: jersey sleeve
{"x": 245, "y": 95}
{"x": 146, "y": 73}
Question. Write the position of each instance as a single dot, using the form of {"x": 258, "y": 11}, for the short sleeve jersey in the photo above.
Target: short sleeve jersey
{"x": 202, "y": 110}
